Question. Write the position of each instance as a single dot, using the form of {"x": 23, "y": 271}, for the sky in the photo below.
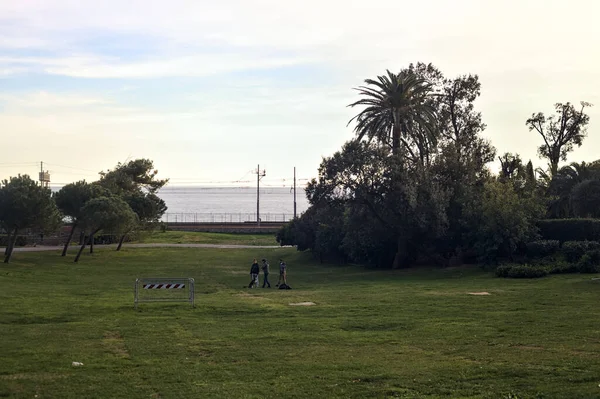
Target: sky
{"x": 209, "y": 90}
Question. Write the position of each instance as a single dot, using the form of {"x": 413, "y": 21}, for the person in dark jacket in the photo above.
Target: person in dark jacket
{"x": 254, "y": 270}
{"x": 265, "y": 269}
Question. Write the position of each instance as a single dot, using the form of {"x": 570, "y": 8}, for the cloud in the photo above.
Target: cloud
{"x": 216, "y": 83}
{"x": 199, "y": 38}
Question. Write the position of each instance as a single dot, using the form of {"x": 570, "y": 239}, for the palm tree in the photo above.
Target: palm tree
{"x": 396, "y": 108}
{"x": 563, "y": 182}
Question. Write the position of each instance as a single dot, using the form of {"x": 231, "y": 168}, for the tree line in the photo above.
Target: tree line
{"x": 121, "y": 200}
{"x": 414, "y": 184}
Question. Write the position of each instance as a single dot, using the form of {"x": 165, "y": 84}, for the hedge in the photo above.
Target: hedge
{"x": 542, "y": 248}
{"x": 570, "y": 229}
{"x": 521, "y": 271}
{"x": 563, "y": 268}
{"x": 574, "y": 250}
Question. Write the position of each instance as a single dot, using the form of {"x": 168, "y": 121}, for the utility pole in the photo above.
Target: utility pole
{"x": 259, "y": 174}
{"x": 44, "y": 177}
{"x": 294, "y": 192}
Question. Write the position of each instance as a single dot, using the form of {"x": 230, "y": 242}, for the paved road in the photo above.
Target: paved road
{"x": 222, "y": 246}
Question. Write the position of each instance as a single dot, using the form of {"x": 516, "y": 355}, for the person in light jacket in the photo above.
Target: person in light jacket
{"x": 282, "y": 273}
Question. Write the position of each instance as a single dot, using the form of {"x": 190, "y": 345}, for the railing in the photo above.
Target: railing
{"x": 225, "y": 217}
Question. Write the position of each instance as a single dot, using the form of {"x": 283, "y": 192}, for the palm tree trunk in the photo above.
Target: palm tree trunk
{"x": 11, "y": 246}
{"x": 396, "y": 133}
{"x": 64, "y": 252}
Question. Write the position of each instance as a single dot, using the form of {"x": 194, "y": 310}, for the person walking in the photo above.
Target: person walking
{"x": 265, "y": 269}
{"x": 282, "y": 273}
{"x": 254, "y": 270}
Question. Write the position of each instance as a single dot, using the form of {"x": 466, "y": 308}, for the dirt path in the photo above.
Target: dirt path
{"x": 155, "y": 245}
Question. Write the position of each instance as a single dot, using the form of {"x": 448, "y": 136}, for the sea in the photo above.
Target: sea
{"x": 231, "y": 204}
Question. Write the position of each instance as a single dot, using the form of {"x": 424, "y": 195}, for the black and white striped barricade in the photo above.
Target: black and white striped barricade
{"x": 164, "y": 290}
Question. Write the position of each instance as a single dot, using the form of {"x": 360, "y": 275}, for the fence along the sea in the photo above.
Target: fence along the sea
{"x": 225, "y": 217}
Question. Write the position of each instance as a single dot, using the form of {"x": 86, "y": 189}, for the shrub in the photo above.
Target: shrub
{"x": 542, "y": 248}
{"x": 562, "y": 268}
{"x": 502, "y": 271}
{"x": 590, "y": 262}
{"x": 521, "y": 271}
{"x": 527, "y": 271}
{"x": 574, "y": 250}
{"x": 570, "y": 229}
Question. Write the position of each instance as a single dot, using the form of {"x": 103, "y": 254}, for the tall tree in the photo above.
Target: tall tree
{"x": 406, "y": 205}
{"x": 460, "y": 159}
{"x": 136, "y": 183}
{"x": 148, "y": 207}
{"x": 561, "y": 132}
{"x": 511, "y": 166}
{"x": 132, "y": 176}
{"x": 395, "y": 105}
{"x": 71, "y": 198}
{"x": 26, "y": 205}
{"x": 110, "y": 214}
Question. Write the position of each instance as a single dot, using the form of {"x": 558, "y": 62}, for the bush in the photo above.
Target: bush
{"x": 527, "y": 271}
{"x": 562, "y": 268}
{"x": 570, "y": 229}
{"x": 540, "y": 249}
{"x": 574, "y": 250}
{"x": 521, "y": 271}
{"x": 502, "y": 271}
{"x": 590, "y": 262}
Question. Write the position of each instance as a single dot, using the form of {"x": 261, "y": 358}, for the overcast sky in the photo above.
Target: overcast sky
{"x": 209, "y": 89}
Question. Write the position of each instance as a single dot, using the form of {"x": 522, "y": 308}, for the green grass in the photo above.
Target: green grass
{"x": 191, "y": 237}
{"x": 372, "y": 334}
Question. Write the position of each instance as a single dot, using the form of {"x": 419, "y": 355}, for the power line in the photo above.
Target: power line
{"x": 71, "y": 167}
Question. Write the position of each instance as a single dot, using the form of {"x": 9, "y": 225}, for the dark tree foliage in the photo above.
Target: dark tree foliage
{"x": 148, "y": 207}
{"x": 136, "y": 183}
{"x": 132, "y": 176}
{"x": 26, "y": 205}
{"x": 109, "y": 214}
{"x": 363, "y": 186}
{"x": 585, "y": 199}
{"x": 561, "y": 187}
{"x": 71, "y": 198}
{"x": 415, "y": 185}
{"x": 511, "y": 166}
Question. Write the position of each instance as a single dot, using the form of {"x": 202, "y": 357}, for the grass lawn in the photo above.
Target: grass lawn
{"x": 192, "y": 237}
{"x": 372, "y": 334}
